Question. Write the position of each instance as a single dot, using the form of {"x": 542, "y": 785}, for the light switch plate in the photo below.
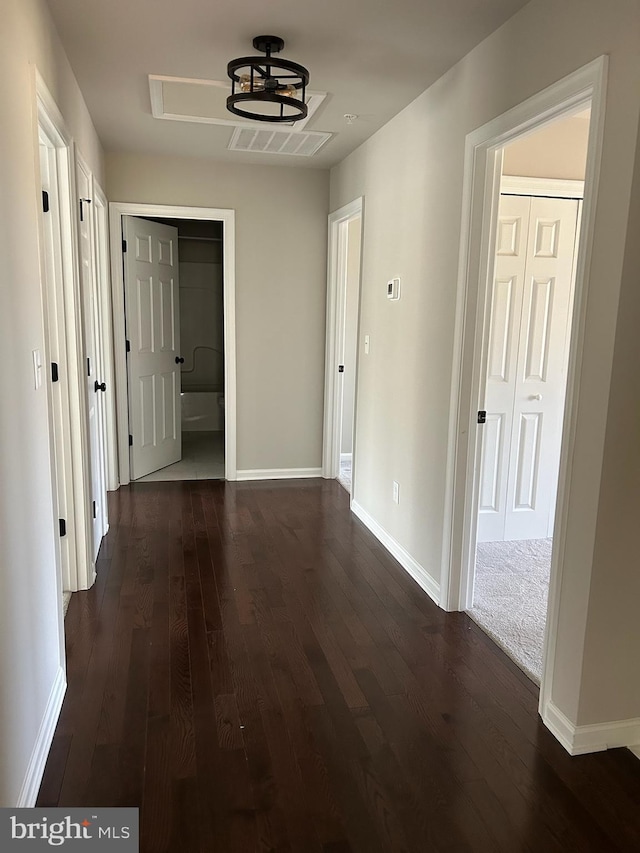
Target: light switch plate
{"x": 366, "y": 344}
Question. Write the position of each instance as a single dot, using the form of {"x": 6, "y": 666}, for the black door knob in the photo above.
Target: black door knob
{"x": 179, "y": 360}
{"x": 100, "y": 386}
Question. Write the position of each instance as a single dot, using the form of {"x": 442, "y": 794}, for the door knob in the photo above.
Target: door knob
{"x": 179, "y": 360}
{"x": 535, "y": 397}
{"x": 99, "y": 386}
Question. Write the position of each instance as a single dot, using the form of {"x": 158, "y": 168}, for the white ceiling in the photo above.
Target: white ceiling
{"x": 372, "y": 57}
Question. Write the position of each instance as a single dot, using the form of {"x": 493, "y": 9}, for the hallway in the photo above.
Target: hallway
{"x": 255, "y": 672}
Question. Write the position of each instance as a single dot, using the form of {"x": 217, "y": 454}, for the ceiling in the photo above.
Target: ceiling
{"x": 371, "y": 57}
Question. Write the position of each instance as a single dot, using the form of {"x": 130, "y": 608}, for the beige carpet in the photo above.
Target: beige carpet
{"x": 510, "y": 599}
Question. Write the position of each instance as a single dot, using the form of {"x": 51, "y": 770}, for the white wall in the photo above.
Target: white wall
{"x": 557, "y": 151}
{"x": 281, "y": 224}
{"x": 29, "y": 595}
{"x": 201, "y": 315}
{"x": 410, "y": 174}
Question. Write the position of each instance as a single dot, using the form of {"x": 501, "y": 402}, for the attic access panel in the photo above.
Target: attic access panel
{"x": 205, "y": 101}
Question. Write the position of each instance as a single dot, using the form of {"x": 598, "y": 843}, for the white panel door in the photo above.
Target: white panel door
{"x": 527, "y": 360}
{"x": 153, "y": 332}
{"x": 91, "y": 326}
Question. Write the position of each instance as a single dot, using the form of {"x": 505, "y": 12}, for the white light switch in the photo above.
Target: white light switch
{"x": 37, "y": 368}
{"x": 366, "y": 344}
{"x": 396, "y": 492}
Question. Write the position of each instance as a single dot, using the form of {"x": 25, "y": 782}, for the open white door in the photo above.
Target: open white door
{"x": 152, "y": 310}
{"x": 91, "y": 328}
{"x": 527, "y": 367}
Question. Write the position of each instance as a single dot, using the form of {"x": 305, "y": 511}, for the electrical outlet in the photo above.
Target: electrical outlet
{"x": 396, "y": 492}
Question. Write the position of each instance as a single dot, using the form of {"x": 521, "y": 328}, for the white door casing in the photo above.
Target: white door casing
{"x": 101, "y": 230}
{"x": 526, "y": 367}
{"x": 152, "y": 309}
{"x": 92, "y": 354}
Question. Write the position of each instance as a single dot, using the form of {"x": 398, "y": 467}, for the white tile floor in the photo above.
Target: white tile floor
{"x": 202, "y": 459}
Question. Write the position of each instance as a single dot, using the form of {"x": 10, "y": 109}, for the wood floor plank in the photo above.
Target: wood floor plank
{"x": 256, "y": 673}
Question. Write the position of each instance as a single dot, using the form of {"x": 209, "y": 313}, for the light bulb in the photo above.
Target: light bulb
{"x": 245, "y": 83}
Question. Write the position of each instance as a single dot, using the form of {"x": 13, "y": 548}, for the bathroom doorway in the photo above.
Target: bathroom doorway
{"x": 201, "y": 352}
{"x": 179, "y": 369}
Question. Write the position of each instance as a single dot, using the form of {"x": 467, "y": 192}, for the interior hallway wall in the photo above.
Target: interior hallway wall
{"x": 281, "y": 227}
{"x": 411, "y": 175}
{"x": 30, "y": 605}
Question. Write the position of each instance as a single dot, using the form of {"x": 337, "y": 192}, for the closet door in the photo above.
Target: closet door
{"x": 526, "y": 381}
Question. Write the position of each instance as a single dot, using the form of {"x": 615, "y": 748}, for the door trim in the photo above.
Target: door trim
{"x": 553, "y": 187}
{"x": 116, "y": 211}
{"x": 101, "y": 233}
{"x": 482, "y": 177}
{"x": 338, "y": 220}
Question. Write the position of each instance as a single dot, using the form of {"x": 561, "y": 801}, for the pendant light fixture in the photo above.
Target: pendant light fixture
{"x": 267, "y": 89}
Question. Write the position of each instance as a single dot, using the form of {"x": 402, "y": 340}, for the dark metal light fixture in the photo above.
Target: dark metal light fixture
{"x": 267, "y": 89}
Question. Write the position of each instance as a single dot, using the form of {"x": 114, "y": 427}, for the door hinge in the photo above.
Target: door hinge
{"x": 341, "y": 368}
{"x": 124, "y": 245}
{"x": 130, "y": 441}
{"x": 482, "y": 417}
{"x": 95, "y": 510}
{"x": 55, "y": 376}
{"x": 63, "y": 526}
{"x": 83, "y": 201}
{"x": 45, "y": 201}
{"x": 128, "y": 346}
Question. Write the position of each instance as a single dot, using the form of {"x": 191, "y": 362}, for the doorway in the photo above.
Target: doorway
{"x": 174, "y": 330}
{"x": 189, "y": 431}
{"x": 527, "y": 348}
{"x": 484, "y": 150}
{"x": 343, "y": 305}
{"x": 62, "y": 365}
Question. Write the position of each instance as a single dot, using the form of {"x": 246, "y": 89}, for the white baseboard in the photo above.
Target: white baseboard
{"x": 35, "y": 770}
{"x": 278, "y": 473}
{"x": 411, "y": 566}
{"x": 578, "y": 740}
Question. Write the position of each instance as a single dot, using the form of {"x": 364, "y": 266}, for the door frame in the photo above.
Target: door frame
{"x": 336, "y": 293}
{"x": 99, "y": 488}
{"x": 481, "y": 193}
{"x": 80, "y": 573}
{"x": 103, "y": 271}
{"x": 116, "y": 211}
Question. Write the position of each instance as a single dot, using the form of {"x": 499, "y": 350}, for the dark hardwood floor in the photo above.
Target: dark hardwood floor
{"x": 256, "y": 673}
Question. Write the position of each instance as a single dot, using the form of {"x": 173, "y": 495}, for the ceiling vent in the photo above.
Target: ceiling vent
{"x": 290, "y": 142}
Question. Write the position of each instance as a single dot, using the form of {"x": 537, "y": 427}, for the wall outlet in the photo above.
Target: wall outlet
{"x": 396, "y": 492}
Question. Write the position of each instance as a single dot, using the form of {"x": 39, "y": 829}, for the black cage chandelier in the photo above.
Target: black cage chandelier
{"x": 267, "y": 89}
